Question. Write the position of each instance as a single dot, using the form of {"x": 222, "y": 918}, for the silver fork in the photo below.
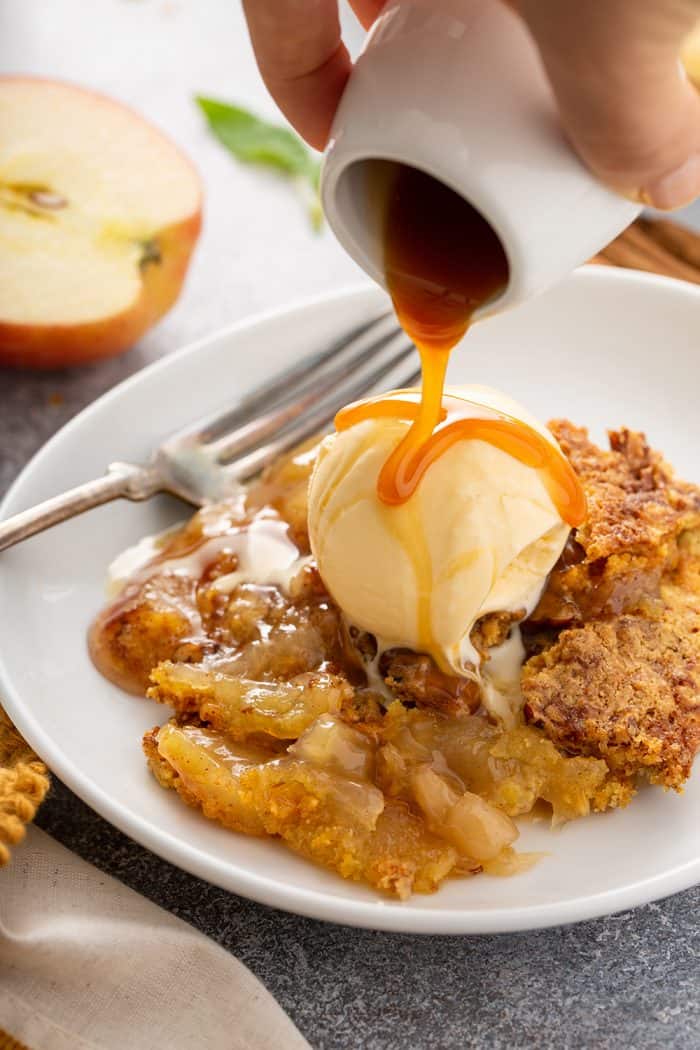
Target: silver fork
{"x": 212, "y": 458}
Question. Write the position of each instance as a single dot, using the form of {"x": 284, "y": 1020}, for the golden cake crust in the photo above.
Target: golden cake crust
{"x": 637, "y": 510}
{"x": 622, "y": 681}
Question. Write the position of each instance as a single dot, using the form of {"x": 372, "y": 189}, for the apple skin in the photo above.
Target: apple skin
{"x": 52, "y": 346}
{"x": 59, "y": 346}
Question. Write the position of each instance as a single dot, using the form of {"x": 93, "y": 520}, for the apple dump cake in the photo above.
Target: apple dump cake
{"x": 385, "y": 689}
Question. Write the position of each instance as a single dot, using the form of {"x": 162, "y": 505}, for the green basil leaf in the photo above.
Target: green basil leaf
{"x": 256, "y": 141}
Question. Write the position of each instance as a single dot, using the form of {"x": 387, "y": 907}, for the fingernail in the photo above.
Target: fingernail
{"x": 677, "y": 188}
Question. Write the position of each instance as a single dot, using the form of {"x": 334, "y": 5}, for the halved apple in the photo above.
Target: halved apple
{"x": 99, "y": 213}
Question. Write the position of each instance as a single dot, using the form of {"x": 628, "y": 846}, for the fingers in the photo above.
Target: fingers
{"x": 302, "y": 60}
{"x": 624, "y": 100}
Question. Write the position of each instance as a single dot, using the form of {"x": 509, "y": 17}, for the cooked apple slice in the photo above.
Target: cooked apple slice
{"x": 99, "y": 213}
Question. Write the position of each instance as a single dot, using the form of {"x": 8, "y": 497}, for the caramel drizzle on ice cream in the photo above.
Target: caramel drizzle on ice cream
{"x": 460, "y": 420}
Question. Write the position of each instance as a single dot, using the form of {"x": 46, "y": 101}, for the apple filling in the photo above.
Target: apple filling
{"x": 287, "y": 722}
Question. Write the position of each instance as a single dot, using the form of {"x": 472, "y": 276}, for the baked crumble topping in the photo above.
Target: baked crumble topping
{"x": 621, "y": 681}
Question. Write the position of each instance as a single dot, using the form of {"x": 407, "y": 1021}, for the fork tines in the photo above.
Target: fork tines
{"x": 302, "y": 400}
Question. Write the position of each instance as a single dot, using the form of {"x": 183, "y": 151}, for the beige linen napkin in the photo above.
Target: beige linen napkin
{"x": 88, "y": 964}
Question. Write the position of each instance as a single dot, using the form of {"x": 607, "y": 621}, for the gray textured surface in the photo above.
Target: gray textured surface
{"x": 630, "y": 981}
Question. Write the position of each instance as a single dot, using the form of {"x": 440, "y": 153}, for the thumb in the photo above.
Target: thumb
{"x": 625, "y": 102}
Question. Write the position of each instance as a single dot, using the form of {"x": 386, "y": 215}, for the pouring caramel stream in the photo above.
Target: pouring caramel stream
{"x": 443, "y": 261}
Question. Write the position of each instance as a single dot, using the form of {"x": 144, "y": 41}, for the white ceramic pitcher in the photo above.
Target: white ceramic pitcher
{"x": 456, "y": 88}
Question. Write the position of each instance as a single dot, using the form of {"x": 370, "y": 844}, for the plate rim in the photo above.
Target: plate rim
{"x": 382, "y": 914}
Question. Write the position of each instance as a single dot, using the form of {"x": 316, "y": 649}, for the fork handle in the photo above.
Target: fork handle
{"x": 122, "y": 480}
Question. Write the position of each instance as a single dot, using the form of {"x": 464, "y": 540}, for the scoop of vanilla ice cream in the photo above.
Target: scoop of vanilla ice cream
{"x": 479, "y": 535}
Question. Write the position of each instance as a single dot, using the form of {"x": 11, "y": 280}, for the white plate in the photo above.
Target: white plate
{"x": 604, "y": 348}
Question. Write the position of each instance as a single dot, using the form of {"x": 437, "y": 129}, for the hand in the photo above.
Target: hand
{"x": 624, "y": 101}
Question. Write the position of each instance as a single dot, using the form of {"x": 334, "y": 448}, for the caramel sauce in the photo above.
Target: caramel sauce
{"x": 442, "y": 262}
{"x": 459, "y": 420}
{"x": 217, "y": 551}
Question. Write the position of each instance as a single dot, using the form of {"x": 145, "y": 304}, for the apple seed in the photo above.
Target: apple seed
{"x": 48, "y": 199}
